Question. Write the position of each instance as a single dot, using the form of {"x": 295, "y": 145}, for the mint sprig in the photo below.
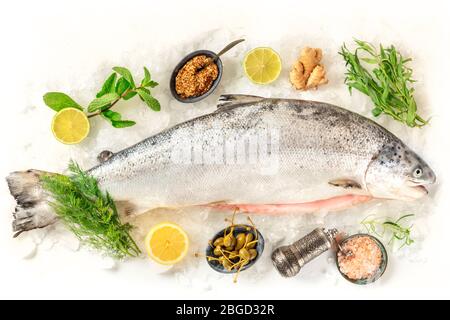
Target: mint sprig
{"x": 119, "y": 85}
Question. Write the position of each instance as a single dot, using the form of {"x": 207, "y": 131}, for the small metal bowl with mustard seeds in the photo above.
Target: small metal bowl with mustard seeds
{"x": 198, "y": 74}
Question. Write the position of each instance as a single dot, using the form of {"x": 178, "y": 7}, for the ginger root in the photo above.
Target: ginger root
{"x": 307, "y": 72}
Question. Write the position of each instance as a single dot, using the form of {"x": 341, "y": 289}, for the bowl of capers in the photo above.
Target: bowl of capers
{"x": 234, "y": 249}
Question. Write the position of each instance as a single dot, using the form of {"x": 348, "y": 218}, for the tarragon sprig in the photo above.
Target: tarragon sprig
{"x": 384, "y": 76}
{"x": 119, "y": 85}
{"x": 394, "y": 229}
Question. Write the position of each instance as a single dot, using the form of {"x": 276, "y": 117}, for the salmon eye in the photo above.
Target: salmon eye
{"x": 418, "y": 173}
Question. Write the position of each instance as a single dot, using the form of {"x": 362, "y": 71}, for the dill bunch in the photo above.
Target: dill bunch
{"x": 90, "y": 213}
{"x": 388, "y": 82}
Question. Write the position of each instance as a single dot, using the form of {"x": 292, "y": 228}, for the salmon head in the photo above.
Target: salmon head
{"x": 397, "y": 172}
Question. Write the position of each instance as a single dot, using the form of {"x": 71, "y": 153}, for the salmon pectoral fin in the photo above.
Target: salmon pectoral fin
{"x": 345, "y": 183}
{"x": 332, "y": 204}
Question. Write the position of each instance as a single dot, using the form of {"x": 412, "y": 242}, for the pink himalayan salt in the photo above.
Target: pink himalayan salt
{"x": 360, "y": 258}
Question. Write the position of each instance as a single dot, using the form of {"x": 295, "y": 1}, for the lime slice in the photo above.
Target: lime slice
{"x": 70, "y": 126}
{"x": 262, "y": 65}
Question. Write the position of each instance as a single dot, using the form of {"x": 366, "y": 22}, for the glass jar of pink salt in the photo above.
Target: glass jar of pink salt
{"x": 361, "y": 258}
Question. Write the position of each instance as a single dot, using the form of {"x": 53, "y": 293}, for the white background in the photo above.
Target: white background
{"x": 49, "y": 41}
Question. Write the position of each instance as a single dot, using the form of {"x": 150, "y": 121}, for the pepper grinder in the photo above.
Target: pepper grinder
{"x": 288, "y": 260}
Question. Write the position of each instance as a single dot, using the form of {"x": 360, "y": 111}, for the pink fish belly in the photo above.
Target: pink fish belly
{"x": 332, "y": 204}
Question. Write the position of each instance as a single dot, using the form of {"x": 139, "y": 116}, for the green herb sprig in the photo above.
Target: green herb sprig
{"x": 119, "y": 85}
{"x": 90, "y": 213}
{"x": 388, "y": 83}
{"x": 394, "y": 228}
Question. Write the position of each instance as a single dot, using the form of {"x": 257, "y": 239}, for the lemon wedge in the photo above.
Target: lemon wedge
{"x": 167, "y": 243}
{"x": 70, "y": 126}
{"x": 262, "y": 65}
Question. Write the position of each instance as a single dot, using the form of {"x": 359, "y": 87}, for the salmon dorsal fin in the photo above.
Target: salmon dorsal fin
{"x": 230, "y": 101}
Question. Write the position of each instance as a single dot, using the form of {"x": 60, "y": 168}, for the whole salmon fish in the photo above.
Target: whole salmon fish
{"x": 260, "y": 155}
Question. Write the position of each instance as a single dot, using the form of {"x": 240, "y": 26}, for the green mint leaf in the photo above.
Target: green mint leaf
{"x": 152, "y": 84}
{"x": 102, "y": 102}
{"x": 147, "y": 78}
{"x": 145, "y": 90}
{"x": 112, "y": 115}
{"x": 108, "y": 86}
{"x": 58, "y": 101}
{"x": 149, "y": 100}
{"x": 124, "y": 72}
{"x": 123, "y": 123}
{"x": 122, "y": 86}
{"x": 115, "y": 119}
{"x": 129, "y": 95}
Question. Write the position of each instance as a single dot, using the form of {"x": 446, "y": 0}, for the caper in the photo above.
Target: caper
{"x": 233, "y": 255}
{"x": 240, "y": 241}
{"x": 251, "y": 245}
{"x": 244, "y": 254}
{"x": 253, "y": 253}
{"x": 228, "y": 240}
{"x": 249, "y": 237}
{"x": 218, "y": 251}
{"x": 226, "y": 264}
{"x": 218, "y": 242}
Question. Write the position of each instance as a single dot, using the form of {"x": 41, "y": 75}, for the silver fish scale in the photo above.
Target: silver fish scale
{"x": 317, "y": 143}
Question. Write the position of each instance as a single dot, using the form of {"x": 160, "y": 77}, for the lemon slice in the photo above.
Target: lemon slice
{"x": 262, "y": 65}
{"x": 70, "y": 126}
{"x": 167, "y": 243}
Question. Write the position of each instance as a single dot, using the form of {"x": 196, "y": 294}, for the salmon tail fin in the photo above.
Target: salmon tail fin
{"x": 32, "y": 209}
